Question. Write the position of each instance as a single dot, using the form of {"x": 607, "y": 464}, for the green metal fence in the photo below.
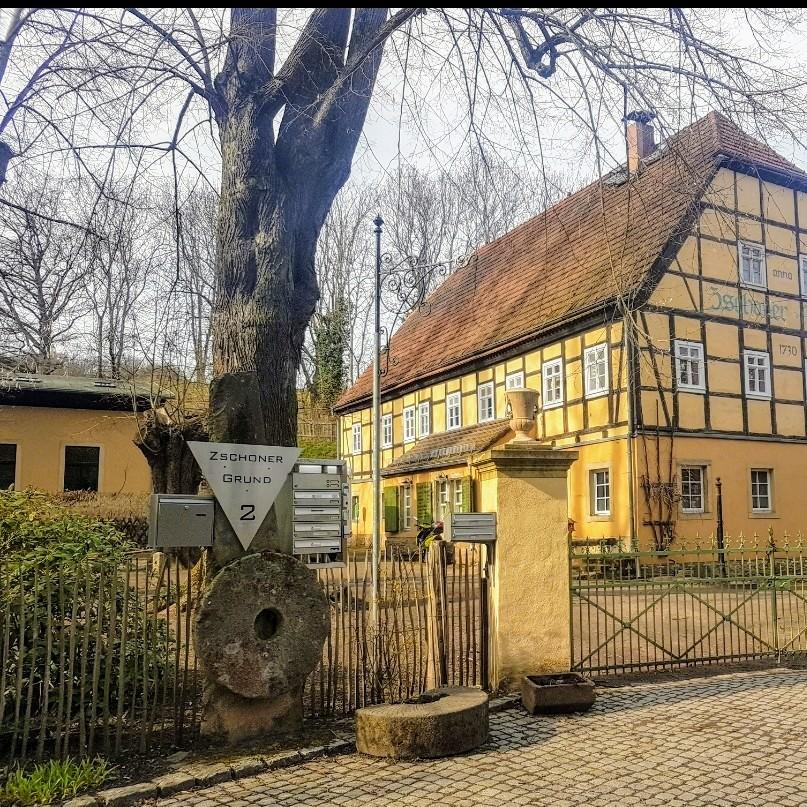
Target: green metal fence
{"x": 701, "y": 603}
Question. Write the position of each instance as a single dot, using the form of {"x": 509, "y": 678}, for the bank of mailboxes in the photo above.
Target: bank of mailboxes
{"x": 180, "y": 521}
{"x": 476, "y": 528}
{"x": 321, "y": 511}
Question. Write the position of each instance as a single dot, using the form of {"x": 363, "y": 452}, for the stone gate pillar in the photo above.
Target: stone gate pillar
{"x": 525, "y": 484}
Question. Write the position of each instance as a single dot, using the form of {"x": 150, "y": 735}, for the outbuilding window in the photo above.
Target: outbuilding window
{"x": 8, "y": 465}
{"x": 81, "y": 467}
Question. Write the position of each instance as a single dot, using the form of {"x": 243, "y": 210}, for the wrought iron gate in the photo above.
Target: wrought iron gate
{"x": 699, "y": 604}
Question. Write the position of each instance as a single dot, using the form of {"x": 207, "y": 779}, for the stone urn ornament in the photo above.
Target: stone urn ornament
{"x": 523, "y": 409}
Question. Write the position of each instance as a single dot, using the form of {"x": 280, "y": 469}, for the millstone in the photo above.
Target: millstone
{"x": 440, "y": 723}
{"x": 261, "y": 626}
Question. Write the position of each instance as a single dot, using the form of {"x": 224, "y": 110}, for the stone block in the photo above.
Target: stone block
{"x": 441, "y": 722}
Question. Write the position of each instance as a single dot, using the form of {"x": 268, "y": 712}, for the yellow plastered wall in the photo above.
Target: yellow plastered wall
{"x": 41, "y": 434}
{"x": 701, "y": 299}
{"x": 610, "y": 455}
{"x": 731, "y": 461}
{"x": 579, "y": 420}
{"x": 698, "y": 299}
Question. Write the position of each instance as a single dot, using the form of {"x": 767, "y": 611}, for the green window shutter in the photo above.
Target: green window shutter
{"x": 391, "y": 509}
{"x": 467, "y": 494}
{"x": 424, "y": 502}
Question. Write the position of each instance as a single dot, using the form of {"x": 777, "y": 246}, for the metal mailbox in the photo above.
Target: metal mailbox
{"x": 321, "y": 511}
{"x": 478, "y": 528}
{"x": 180, "y": 521}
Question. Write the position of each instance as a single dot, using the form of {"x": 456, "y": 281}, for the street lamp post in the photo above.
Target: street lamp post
{"x": 376, "y": 462}
{"x": 408, "y": 281}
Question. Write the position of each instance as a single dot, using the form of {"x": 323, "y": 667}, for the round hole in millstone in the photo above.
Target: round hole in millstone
{"x": 267, "y": 623}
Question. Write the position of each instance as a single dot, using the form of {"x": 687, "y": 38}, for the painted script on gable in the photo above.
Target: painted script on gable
{"x": 747, "y": 305}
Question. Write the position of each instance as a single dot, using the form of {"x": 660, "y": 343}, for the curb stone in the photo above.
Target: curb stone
{"x": 203, "y": 775}
{"x": 119, "y": 796}
{"x": 174, "y": 783}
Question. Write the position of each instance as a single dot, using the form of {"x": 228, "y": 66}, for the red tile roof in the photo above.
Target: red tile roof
{"x": 446, "y": 449}
{"x": 576, "y": 257}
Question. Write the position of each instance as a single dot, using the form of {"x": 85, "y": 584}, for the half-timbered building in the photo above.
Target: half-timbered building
{"x": 659, "y": 312}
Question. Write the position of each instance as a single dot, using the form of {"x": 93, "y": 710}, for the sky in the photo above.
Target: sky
{"x": 566, "y": 128}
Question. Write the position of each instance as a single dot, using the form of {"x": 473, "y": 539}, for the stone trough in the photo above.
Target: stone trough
{"x": 439, "y": 723}
{"x": 560, "y": 693}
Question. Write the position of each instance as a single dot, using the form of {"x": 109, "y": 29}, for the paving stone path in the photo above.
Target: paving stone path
{"x": 737, "y": 739}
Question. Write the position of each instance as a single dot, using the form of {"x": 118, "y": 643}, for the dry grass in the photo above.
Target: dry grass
{"x": 106, "y": 506}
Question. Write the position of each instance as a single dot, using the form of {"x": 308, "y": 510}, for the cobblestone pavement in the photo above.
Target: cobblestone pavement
{"x": 737, "y": 739}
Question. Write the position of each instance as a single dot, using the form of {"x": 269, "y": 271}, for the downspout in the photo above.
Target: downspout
{"x": 629, "y": 352}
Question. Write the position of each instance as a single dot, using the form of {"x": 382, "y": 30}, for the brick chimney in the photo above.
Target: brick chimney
{"x": 640, "y": 139}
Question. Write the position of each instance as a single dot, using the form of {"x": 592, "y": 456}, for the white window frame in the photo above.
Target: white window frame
{"x": 763, "y": 284}
{"x": 546, "y": 387}
{"x": 684, "y": 358}
{"x": 768, "y": 493}
{"x": 755, "y": 355}
{"x": 406, "y": 507}
{"x": 803, "y": 275}
{"x": 356, "y": 438}
{"x": 457, "y": 495}
{"x": 514, "y": 380}
{"x": 424, "y": 417}
{"x": 386, "y": 431}
{"x": 594, "y": 484}
{"x": 590, "y": 358}
{"x": 409, "y": 424}
{"x": 454, "y": 402}
{"x": 443, "y": 498}
{"x": 702, "y": 471}
{"x": 486, "y": 397}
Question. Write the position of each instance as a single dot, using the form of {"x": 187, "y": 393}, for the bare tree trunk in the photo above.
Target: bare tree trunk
{"x": 262, "y": 311}
{"x": 276, "y": 192}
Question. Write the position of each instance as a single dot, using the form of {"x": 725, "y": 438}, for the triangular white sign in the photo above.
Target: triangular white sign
{"x": 245, "y": 480}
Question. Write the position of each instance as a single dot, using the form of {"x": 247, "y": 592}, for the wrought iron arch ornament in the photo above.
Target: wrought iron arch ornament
{"x": 409, "y": 282}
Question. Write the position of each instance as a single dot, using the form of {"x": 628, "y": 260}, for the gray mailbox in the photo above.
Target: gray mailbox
{"x": 178, "y": 521}
{"x": 321, "y": 505}
{"x": 477, "y": 528}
